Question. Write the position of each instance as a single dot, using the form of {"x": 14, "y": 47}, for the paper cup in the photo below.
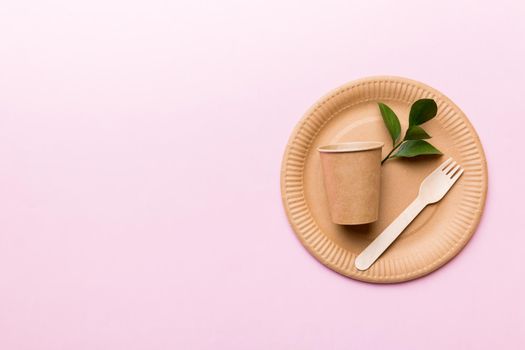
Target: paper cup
{"x": 352, "y": 179}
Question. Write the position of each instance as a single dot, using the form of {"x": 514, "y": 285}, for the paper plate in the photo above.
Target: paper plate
{"x": 350, "y": 113}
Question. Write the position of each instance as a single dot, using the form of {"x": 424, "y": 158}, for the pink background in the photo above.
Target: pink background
{"x": 140, "y": 150}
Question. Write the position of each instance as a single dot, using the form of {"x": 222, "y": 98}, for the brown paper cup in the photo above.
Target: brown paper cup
{"x": 352, "y": 178}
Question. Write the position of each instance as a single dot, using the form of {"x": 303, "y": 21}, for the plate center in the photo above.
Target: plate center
{"x": 400, "y": 178}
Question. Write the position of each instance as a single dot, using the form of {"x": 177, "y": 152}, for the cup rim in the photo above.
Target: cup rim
{"x": 346, "y": 147}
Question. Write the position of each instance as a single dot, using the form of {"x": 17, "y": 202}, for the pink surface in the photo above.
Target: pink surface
{"x": 140, "y": 150}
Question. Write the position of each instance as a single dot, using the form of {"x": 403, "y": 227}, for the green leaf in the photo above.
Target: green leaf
{"x": 413, "y": 148}
{"x": 422, "y": 111}
{"x": 391, "y": 121}
{"x": 416, "y": 133}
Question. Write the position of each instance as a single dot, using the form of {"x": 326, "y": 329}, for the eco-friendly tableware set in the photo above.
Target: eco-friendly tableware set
{"x": 364, "y": 218}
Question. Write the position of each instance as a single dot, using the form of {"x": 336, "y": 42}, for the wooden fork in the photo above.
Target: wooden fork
{"x": 432, "y": 190}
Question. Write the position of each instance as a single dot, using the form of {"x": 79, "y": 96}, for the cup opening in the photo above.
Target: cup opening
{"x": 350, "y": 147}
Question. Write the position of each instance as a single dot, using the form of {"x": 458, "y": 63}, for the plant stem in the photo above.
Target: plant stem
{"x": 390, "y": 153}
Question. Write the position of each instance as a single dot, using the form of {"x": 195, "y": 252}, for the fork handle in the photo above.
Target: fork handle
{"x": 389, "y": 235}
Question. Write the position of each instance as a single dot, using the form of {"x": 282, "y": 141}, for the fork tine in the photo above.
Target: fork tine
{"x": 442, "y": 166}
{"x": 445, "y": 163}
{"x": 457, "y": 176}
{"x": 454, "y": 171}
{"x": 449, "y": 167}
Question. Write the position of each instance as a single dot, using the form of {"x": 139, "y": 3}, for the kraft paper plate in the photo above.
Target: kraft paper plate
{"x": 350, "y": 113}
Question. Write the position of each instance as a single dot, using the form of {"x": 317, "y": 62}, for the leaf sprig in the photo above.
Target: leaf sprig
{"x": 413, "y": 144}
